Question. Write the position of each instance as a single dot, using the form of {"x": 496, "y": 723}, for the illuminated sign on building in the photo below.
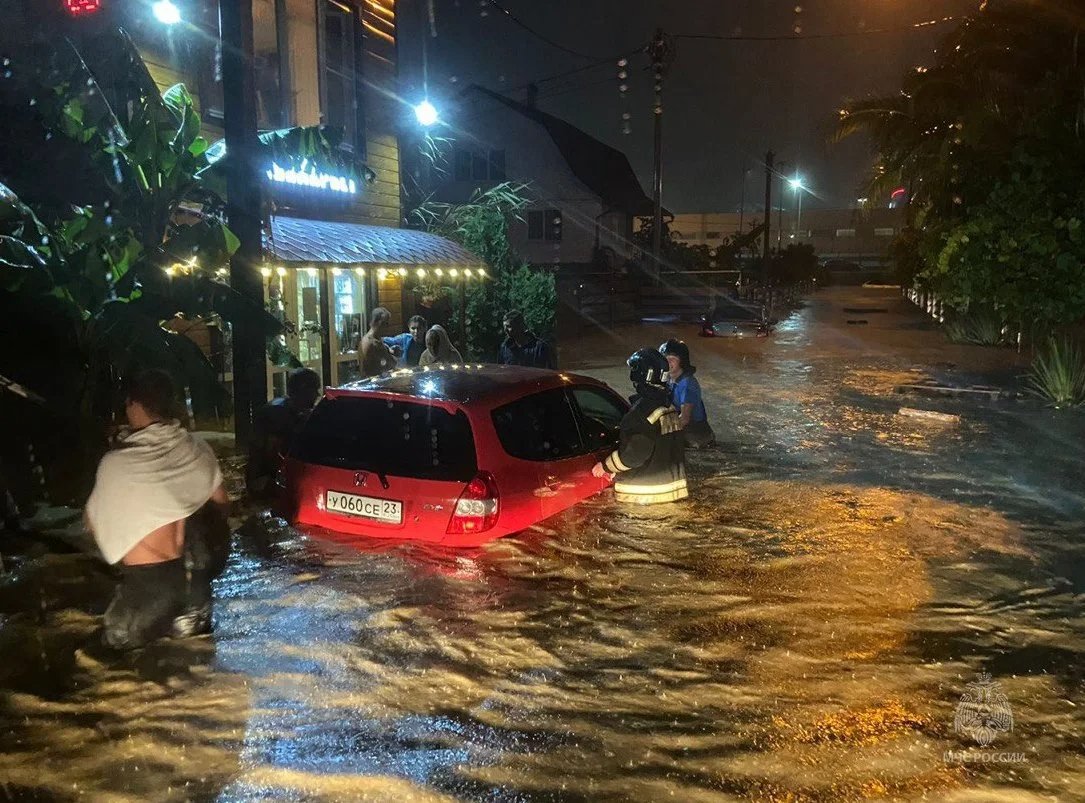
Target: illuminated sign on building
{"x": 307, "y": 177}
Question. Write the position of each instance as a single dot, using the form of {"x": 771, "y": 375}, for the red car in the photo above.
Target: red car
{"x": 454, "y": 454}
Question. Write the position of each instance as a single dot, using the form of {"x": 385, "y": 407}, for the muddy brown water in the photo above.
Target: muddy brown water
{"x": 802, "y": 630}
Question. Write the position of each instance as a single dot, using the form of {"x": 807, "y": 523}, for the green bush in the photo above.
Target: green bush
{"x": 981, "y": 327}
{"x": 1058, "y": 373}
{"x": 482, "y": 226}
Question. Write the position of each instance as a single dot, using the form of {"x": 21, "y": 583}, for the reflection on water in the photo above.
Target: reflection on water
{"x": 802, "y": 630}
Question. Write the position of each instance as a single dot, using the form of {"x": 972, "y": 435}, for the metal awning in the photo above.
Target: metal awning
{"x": 324, "y": 242}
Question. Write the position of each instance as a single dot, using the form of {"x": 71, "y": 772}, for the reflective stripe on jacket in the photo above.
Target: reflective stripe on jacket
{"x": 649, "y": 462}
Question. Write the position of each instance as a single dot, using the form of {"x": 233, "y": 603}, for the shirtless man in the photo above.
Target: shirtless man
{"x": 374, "y": 357}
{"x": 158, "y": 509}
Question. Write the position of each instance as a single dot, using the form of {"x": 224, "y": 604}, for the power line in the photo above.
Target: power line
{"x": 537, "y": 35}
{"x": 800, "y": 37}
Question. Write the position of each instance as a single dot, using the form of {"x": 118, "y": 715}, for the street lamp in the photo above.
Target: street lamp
{"x": 166, "y": 12}
{"x": 797, "y": 186}
{"x": 426, "y": 113}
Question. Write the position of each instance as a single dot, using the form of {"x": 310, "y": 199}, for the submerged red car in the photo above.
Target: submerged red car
{"x": 453, "y": 454}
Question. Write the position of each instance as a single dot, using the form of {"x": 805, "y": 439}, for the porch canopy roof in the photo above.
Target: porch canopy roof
{"x": 322, "y": 242}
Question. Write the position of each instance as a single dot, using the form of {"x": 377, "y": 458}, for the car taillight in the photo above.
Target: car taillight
{"x": 476, "y": 509}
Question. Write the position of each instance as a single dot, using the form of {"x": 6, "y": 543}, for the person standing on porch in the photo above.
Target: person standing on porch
{"x": 439, "y": 348}
{"x": 523, "y": 347}
{"x": 374, "y": 357}
{"x": 408, "y": 347}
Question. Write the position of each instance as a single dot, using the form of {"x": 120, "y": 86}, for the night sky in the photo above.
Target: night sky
{"x": 726, "y": 103}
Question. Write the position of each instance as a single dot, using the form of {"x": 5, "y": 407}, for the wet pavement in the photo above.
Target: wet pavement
{"x": 803, "y": 629}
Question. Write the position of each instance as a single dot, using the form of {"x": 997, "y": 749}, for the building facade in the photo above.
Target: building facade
{"x": 333, "y": 246}
{"x": 584, "y": 195}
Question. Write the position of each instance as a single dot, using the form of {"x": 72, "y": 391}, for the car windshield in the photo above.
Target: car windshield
{"x": 400, "y": 438}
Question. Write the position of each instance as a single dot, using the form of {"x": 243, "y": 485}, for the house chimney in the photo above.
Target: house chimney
{"x": 532, "y": 95}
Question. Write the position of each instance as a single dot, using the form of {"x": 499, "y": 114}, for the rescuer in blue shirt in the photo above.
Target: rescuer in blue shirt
{"x": 408, "y": 347}
{"x": 686, "y": 391}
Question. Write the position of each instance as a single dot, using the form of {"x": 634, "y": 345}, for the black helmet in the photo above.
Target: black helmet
{"x": 647, "y": 369}
{"x": 678, "y": 349}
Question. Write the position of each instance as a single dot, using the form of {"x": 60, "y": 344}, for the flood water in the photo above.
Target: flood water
{"x": 802, "y": 630}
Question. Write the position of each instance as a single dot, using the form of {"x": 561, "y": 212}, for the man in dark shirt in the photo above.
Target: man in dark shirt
{"x": 522, "y": 347}
{"x": 274, "y": 427}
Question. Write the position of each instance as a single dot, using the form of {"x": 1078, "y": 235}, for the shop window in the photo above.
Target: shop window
{"x": 339, "y": 60}
{"x": 309, "y": 324}
{"x": 845, "y": 232}
{"x": 349, "y": 302}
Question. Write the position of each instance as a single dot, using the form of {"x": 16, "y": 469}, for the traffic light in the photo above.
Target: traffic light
{"x": 78, "y": 8}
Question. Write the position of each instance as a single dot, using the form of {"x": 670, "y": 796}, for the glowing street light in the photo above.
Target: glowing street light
{"x": 797, "y": 185}
{"x": 426, "y": 113}
{"x": 166, "y": 12}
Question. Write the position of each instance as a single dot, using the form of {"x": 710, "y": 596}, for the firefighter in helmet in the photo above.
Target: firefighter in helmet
{"x": 649, "y": 465}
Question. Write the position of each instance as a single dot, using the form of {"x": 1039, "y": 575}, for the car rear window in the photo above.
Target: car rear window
{"x": 399, "y": 438}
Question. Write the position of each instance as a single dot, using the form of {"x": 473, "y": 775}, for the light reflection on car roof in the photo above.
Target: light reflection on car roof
{"x": 462, "y": 383}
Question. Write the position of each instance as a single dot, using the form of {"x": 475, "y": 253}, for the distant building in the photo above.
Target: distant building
{"x": 585, "y": 193}
{"x": 861, "y": 236}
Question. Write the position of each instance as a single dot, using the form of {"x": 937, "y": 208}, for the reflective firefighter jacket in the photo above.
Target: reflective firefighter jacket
{"x": 649, "y": 463}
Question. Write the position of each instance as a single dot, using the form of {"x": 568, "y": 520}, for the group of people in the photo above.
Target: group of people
{"x": 158, "y": 510}
{"x": 379, "y": 352}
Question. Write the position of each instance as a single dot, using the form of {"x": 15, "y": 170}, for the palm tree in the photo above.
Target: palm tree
{"x": 950, "y": 129}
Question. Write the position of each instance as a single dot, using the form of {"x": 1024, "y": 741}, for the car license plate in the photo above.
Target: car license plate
{"x": 365, "y": 507}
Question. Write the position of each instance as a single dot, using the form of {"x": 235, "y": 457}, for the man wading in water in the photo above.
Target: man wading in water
{"x": 159, "y": 509}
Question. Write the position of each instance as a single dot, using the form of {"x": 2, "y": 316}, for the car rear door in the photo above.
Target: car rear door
{"x": 540, "y": 433}
{"x": 599, "y": 412}
{"x": 380, "y": 466}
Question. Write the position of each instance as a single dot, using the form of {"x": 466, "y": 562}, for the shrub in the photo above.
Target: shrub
{"x": 1058, "y": 373}
{"x": 982, "y": 327}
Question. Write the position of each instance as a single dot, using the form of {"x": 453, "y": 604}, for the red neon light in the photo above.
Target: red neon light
{"x": 897, "y": 192}
{"x": 79, "y": 7}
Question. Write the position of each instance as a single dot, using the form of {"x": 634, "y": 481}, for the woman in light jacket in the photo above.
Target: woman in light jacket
{"x": 439, "y": 348}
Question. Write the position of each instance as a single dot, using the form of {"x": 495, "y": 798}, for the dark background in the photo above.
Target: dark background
{"x": 726, "y": 103}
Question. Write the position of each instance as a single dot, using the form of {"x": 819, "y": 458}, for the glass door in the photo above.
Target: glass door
{"x": 348, "y": 313}
{"x": 277, "y": 285}
{"x": 309, "y": 321}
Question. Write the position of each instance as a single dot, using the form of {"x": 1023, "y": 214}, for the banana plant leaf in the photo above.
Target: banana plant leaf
{"x": 22, "y": 268}
{"x": 130, "y": 338}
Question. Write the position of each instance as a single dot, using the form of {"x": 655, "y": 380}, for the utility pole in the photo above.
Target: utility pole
{"x": 243, "y": 207}
{"x": 661, "y": 51}
{"x": 769, "y": 157}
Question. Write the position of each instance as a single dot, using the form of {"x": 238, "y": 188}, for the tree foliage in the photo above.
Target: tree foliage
{"x": 132, "y": 234}
{"x": 482, "y": 227}
{"x": 989, "y": 141}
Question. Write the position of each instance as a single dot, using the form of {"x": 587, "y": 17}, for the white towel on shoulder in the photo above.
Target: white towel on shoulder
{"x": 158, "y": 475}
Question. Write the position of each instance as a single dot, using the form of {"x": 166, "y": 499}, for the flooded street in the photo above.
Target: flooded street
{"x": 803, "y": 629}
